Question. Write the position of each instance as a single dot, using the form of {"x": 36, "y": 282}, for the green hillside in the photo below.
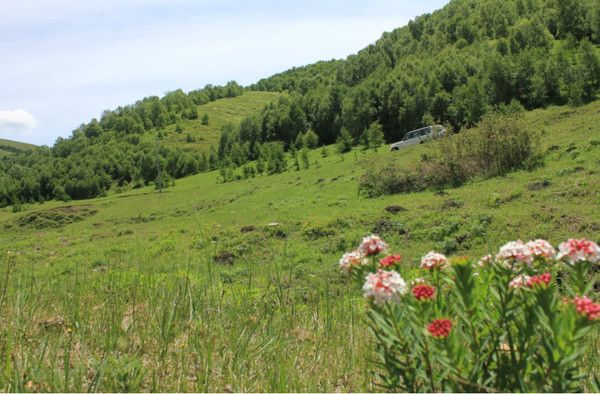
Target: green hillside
{"x": 450, "y": 67}
{"x": 121, "y": 149}
{"x": 215, "y": 287}
{"x": 8, "y": 147}
{"x": 220, "y": 112}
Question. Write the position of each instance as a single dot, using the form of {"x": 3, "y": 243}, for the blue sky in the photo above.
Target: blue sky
{"x": 65, "y": 61}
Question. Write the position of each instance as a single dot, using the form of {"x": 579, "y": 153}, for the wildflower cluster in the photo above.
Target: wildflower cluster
{"x": 369, "y": 247}
{"x": 459, "y": 310}
{"x": 351, "y": 260}
{"x": 370, "y": 256}
{"x": 519, "y": 281}
{"x": 587, "y": 308}
{"x": 578, "y": 250}
{"x": 383, "y": 286}
{"x": 572, "y": 251}
{"x": 434, "y": 260}
{"x": 390, "y": 261}
{"x": 485, "y": 261}
{"x": 541, "y": 249}
{"x": 372, "y": 245}
{"x": 542, "y": 280}
{"x": 515, "y": 251}
{"x": 440, "y": 328}
{"x": 423, "y": 292}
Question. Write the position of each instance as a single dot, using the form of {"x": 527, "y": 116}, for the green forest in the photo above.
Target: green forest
{"x": 449, "y": 67}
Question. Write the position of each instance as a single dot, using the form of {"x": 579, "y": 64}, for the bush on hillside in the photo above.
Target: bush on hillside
{"x": 499, "y": 144}
{"x": 274, "y": 155}
{"x": 311, "y": 139}
{"x": 503, "y": 324}
{"x": 390, "y": 178}
{"x": 344, "y": 142}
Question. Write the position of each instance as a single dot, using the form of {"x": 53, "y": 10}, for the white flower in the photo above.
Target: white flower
{"x": 515, "y": 251}
{"x": 372, "y": 245}
{"x": 352, "y": 259}
{"x": 434, "y": 260}
{"x": 519, "y": 281}
{"x": 417, "y": 281}
{"x": 485, "y": 261}
{"x": 383, "y": 286}
{"x": 541, "y": 248}
{"x": 576, "y": 250}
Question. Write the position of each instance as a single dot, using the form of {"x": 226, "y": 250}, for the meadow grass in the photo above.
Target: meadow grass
{"x": 212, "y": 286}
{"x": 7, "y": 147}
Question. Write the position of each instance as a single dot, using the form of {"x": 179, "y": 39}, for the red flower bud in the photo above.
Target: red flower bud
{"x": 440, "y": 328}
{"x": 390, "y": 260}
{"x": 423, "y": 292}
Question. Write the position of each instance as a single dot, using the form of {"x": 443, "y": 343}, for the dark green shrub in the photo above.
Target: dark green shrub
{"x": 390, "y": 179}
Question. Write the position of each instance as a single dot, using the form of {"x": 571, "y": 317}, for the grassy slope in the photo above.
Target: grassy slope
{"x": 219, "y": 112}
{"x": 138, "y": 277}
{"x": 6, "y": 146}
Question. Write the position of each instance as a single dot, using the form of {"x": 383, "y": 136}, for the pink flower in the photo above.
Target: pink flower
{"x": 515, "y": 251}
{"x": 519, "y": 281}
{"x": 576, "y": 250}
{"x": 587, "y": 308}
{"x": 390, "y": 260}
{"x": 440, "y": 328}
{"x": 485, "y": 260}
{"x": 423, "y": 292}
{"x": 434, "y": 260}
{"x": 383, "y": 286}
{"x": 372, "y": 245}
{"x": 541, "y": 249}
{"x": 351, "y": 260}
{"x": 542, "y": 280}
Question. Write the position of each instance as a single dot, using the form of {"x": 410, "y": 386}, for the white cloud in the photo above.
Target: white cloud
{"x": 16, "y": 122}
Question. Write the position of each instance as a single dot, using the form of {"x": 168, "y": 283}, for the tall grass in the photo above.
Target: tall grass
{"x": 182, "y": 329}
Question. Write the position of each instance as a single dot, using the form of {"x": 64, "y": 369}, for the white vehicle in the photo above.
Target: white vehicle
{"x": 418, "y": 136}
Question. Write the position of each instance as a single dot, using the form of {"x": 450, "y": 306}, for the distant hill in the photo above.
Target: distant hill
{"x": 121, "y": 148}
{"x": 199, "y": 137}
{"x": 8, "y": 147}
